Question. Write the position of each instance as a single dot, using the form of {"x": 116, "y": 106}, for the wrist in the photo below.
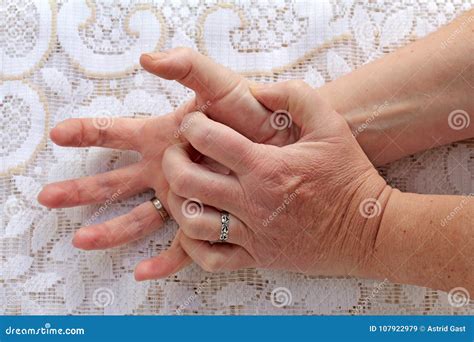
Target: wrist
{"x": 368, "y": 207}
{"x": 423, "y": 240}
{"x": 375, "y": 117}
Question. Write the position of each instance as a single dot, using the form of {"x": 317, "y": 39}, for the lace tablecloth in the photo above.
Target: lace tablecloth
{"x": 80, "y": 58}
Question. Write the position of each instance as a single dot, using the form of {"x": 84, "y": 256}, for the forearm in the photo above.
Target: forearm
{"x": 399, "y": 104}
{"x": 425, "y": 240}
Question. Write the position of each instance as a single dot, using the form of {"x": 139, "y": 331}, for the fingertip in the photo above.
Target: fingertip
{"x": 137, "y": 275}
{"x": 167, "y": 263}
{"x": 141, "y": 271}
{"x": 51, "y": 196}
{"x": 85, "y": 238}
{"x": 151, "y": 61}
{"x": 57, "y": 134}
{"x": 76, "y": 241}
{"x": 42, "y": 198}
{"x": 146, "y": 60}
{"x": 150, "y": 269}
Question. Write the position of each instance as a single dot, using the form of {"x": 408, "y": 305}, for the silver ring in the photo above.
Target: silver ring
{"x": 224, "y": 226}
{"x": 161, "y": 209}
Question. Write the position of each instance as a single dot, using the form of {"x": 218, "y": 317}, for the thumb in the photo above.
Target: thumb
{"x": 294, "y": 102}
{"x": 222, "y": 94}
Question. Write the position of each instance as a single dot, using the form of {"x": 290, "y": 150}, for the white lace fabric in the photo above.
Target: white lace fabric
{"x": 80, "y": 59}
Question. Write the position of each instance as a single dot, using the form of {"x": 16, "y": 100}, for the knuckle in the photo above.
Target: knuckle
{"x": 107, "y": 184}
{"x": 273, "y": 174}
{"x": 210, "y": 188}
{"x": 102, "y": 135}
{"x": 80, "y": 136}
{"x": 297, "y": 84}
{"x": 204, "y": 136}
{"x": 167, "y": 155}
{"x": 101, "y": 238}
{"x": 186, "y": 56}
{"x": 77, "y": 192}
{"x": 184, "y": 51}
{"x": 250, "y": 159}
{"x": 135, "y": 220}
{"x": 182, "y": 182}
{"x": 190, "y": 227}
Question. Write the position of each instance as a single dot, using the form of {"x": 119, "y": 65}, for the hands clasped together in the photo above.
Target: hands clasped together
{"x": 293, "y": 193}
{"x": 320, "y": 181}
{"x": 275, "y": 172}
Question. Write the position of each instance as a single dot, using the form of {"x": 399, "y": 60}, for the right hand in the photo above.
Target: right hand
{"x": 312, "y": 206}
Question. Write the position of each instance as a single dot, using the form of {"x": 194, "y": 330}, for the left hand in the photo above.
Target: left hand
{"x": 295, "y": 207}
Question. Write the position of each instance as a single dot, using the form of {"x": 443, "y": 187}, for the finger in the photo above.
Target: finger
{"x": 214, "y": 166}
{"x": 191, "y": 180}
{"x": 119, "y": 133}
{"x": 218, "y": 256}
{"x": 137, "y": 223}
{"x": 301, "y": 102}
{"x": 165, "y": 264}
{"x": 219, "y": 91}
{"x": 112, "y": 185}
{"x": 202, "y": 222}
{"x": 220, "y": 143}
{"x": 193, "y": 70}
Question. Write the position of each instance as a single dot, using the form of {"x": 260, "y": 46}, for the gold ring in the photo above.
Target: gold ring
{"x": 161, "y": 209}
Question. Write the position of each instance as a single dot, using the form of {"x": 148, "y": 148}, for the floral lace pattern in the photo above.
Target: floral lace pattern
{"x": 80, "y": 59}
{"x": 27, "y": 35}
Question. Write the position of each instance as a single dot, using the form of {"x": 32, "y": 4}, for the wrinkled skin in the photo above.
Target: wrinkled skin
{"x": 324, "y": 175}
{"x": 221, "y": 93}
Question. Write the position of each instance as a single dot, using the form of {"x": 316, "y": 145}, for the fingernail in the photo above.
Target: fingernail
{"x": 59, "y": 133}
{"x": 51, "y": 196}
{"x": 60, "y": 125}
{"x": 155, "y": 56}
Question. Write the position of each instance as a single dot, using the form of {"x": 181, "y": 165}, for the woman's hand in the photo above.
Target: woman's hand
{"x": 221, "y": 93}
{"x": 312, "y": 206}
